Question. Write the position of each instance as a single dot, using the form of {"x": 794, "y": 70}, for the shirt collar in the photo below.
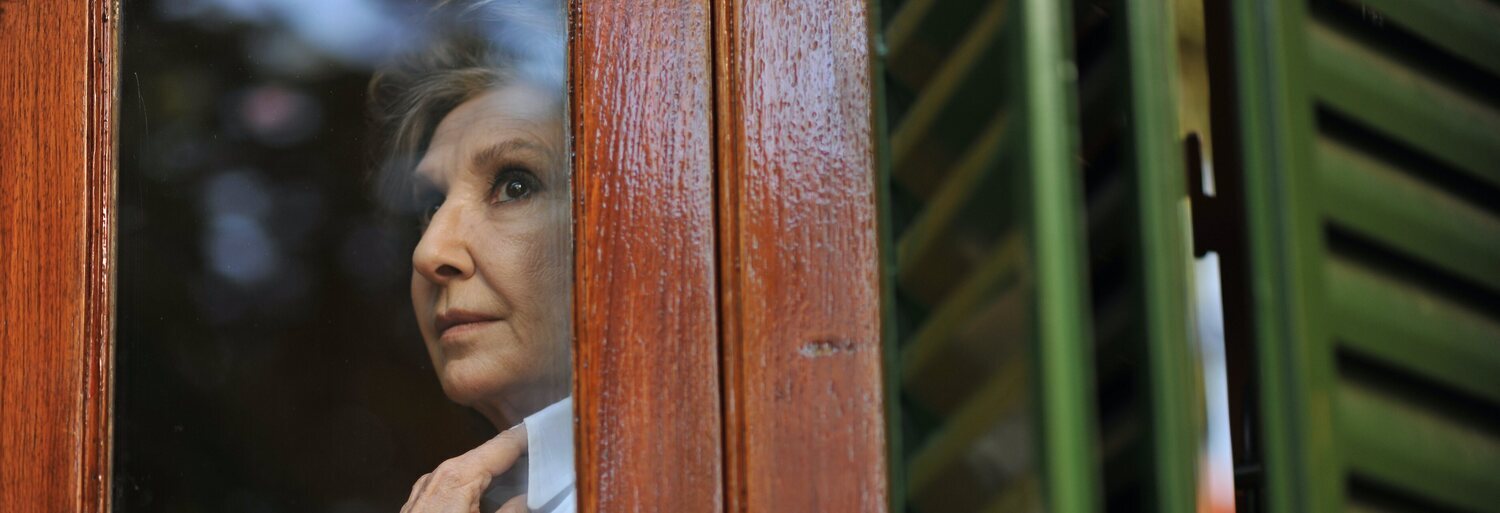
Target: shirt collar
{"x": 549, "y": 446}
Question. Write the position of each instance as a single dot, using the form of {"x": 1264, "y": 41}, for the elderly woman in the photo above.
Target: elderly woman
{"x": 474, "y": 138}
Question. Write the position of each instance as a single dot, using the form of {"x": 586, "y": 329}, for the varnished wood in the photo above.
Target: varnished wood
{"x": 645, "y": 316}
{"x": 57, "y": 176}
{"x": 805, "y": 426}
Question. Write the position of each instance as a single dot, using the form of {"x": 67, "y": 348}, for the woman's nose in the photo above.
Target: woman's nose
{"x": 443, "y": 254}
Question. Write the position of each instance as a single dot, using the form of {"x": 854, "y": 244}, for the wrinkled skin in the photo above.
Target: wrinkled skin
{"x": 491, "y": 277}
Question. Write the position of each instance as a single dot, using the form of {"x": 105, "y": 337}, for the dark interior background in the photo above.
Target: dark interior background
{"x": 267, "y": 355}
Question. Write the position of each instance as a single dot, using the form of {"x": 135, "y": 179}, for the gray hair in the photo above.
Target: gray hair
{"x": 472, "y": 47}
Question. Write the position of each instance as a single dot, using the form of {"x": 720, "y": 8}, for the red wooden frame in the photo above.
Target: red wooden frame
{"x": 57, "y": 178}
{"x": 646, "y": 384}
{"x": 805, "y": 415}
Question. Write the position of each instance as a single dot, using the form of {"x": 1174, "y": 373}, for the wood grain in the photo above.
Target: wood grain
{"x": 57, "y": 178}
{"x": 805, "y": 428}
{"x": 645, "y": 317}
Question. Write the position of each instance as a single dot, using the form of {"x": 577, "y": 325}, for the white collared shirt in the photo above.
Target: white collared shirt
{"x": 549, "y": 468}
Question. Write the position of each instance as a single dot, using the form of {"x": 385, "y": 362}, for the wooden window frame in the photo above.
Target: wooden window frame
{"x": 57, "y": 185}
{"x": 687, "y": 397}
{"x": 805, "y": 414}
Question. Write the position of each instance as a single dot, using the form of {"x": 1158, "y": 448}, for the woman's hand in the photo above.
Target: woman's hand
{"x": 457, "y": 484}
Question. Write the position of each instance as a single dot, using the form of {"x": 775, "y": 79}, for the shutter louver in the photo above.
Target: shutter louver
{"x": 1372, "y": 150}
{"x": 1032, "y": 214}
{"x": 987, "y": 241}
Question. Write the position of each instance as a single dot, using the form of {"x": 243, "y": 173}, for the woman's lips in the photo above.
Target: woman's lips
{"x": 455, "y": 323}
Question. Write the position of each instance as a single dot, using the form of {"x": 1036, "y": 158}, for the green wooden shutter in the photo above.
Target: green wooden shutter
{"x": 1371, "y": 137}
{"x": 1013, "y": 286}
{"x": 1045, "y": 107}
{"x": 994, "y": 232}
{"x": 1150, "y": 397}
{"x": 994, "y": 331}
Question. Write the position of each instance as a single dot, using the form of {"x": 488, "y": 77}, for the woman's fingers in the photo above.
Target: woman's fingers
{"x": 457, "y": 484}
{"x": 498, "y": 454}
{"x": 416, "y": 489}
{"x": 516, "y": 504}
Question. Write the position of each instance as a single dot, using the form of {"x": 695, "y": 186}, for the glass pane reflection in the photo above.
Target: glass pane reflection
{"x": 344, "y": 251}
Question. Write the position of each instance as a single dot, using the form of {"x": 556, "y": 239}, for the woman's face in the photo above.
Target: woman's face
{"x": 491, "y": 275}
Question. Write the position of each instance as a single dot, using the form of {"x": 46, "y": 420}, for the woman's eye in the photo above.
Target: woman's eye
{"x": 513, "y": 184}
{"x": 514, "y": 189}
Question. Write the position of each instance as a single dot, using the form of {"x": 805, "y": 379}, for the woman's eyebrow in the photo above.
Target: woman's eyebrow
{"x": 503, "y": 149}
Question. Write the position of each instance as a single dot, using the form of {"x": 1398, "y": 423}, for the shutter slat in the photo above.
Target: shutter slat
{"x": 939, "y": 95}
{"x": 1388, "y": 205}
{"x": 999, "y": 396}
{"x": 1467, "y": 28}
{"x": 1443, "y": 460}
{"x": 921, "y": 35}
{"x": 917, "y": 252}
{"x": 1020, "y": 497}
{"x": 1006, "y": 265}
{"x": 1414, "y": 329}
{"x": 904, "y": 25}
{"x": 1414, "y": 108}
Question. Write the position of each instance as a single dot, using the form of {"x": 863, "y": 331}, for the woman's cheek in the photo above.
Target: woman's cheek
{"x": 536, "y": 248}
{"x": 422, "y": 294}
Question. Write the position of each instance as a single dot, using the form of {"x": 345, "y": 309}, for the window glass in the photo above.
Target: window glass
{"x": 344, "y": 256}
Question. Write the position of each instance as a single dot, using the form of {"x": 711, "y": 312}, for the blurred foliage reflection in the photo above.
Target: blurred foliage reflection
{"x": 267, "y": 356}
